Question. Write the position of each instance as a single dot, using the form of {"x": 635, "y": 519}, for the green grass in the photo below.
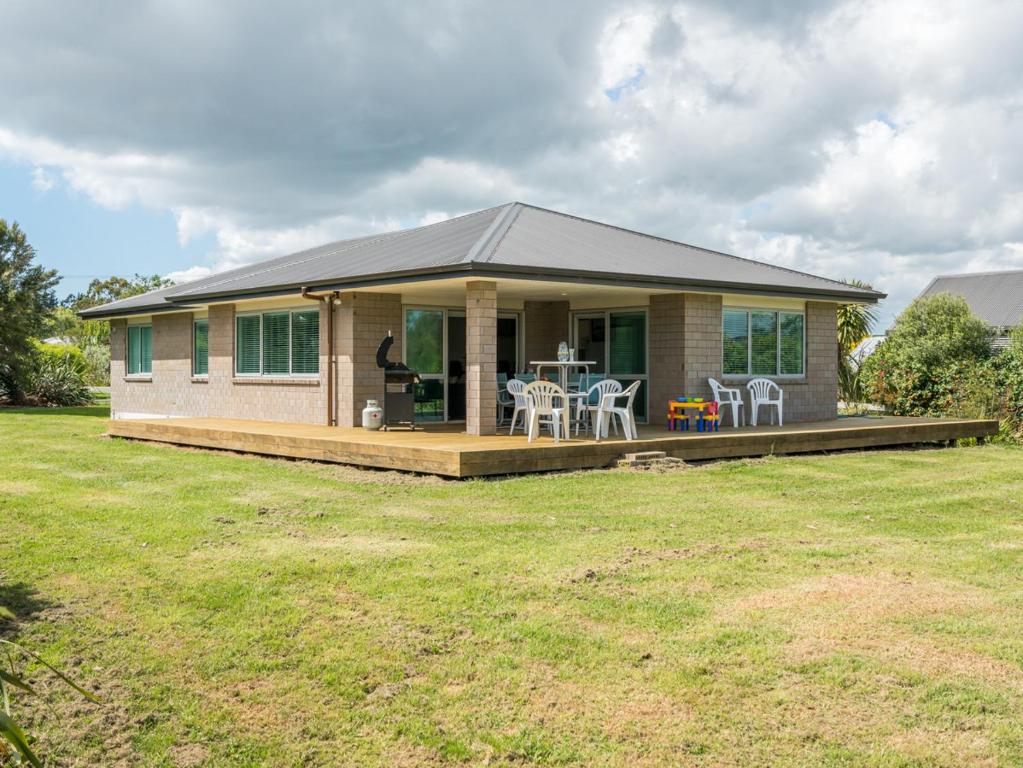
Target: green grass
{"x": 847, "y": 610}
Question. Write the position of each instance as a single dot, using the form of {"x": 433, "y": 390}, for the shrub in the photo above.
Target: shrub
{"x": 938, "y": 361}
{"x": 929, "y": 363}
{"x": 1008, "y": 366}
{"x": 58, "y": 351}
{"x": 59, "y": 379}
{"x": 97, "y": 361}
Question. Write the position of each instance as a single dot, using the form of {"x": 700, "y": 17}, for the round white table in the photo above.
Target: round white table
{"x": 563, "y": 367}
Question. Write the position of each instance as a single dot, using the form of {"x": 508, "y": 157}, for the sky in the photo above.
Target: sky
{"x": 870, "y": 140}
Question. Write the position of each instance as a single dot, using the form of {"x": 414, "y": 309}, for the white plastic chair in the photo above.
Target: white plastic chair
{"x": 547, "y": 405}
{"x": 517, "y": 389}
{"x": 590, "y": 404}
{"x": 762, "y": 392}
{"x": 607, "y": 412}
{"x": 725, "y": 396}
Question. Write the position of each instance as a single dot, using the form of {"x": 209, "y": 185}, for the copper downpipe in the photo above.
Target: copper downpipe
{"x": 329, "y": 299}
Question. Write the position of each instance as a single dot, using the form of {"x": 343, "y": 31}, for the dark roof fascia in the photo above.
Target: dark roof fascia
{"x": 644, "y": 281}
{"x": 546, "y": 273}
{"x": 383, "y": 278}
{"x": 113, "y": 314}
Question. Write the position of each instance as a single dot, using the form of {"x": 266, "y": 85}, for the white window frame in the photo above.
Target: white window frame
{"x": 749, "y": 344}
{"x": 259, "y": 313}
{"x": 127, "y": 350}
{"x": 195, "y": 323}
{"x": 574, "y": 317}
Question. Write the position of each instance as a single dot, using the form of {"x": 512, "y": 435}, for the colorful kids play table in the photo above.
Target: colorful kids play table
{"x": 677, "y": 412}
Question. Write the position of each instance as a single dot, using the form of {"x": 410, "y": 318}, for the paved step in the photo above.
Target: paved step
{"x": 641, "y": 458}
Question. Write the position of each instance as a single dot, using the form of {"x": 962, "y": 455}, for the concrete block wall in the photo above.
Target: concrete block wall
{"x": 667, "y": 353}
{"x": 362, "y": 321}
{"x": 816, "y": 398}
{"x": 546, "y": 324}
{"x": 702, "y": 319}
{"x": 171, "y": 390}
{"x": 481, "y": 357}
{"x": 301, "y": 400}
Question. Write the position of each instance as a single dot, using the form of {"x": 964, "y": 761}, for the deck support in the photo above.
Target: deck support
{"x": 481, "y": 357}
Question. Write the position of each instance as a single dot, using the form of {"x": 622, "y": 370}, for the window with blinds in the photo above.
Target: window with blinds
{"x": 791, "y": 345}
{"x": 764, "y": 343}
{"x": 761, "y": 342}
{"x": 736, "y": 342}
{"x": 201, "y": 348}
{"x": 305, "y": 342}
{"x": 139, "y": 357}
{"x": 278, "y": 343}
{"x": 246, "y": 345}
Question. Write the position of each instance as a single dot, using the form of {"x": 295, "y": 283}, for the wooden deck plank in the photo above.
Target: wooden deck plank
{"x": 445, "y": 450}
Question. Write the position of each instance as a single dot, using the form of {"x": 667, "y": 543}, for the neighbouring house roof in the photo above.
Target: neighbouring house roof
{"x": 994, "y": 297}
{"x": 512, "y": 241}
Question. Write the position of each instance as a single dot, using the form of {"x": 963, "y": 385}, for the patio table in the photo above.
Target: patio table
{"x": 563, "y": 367}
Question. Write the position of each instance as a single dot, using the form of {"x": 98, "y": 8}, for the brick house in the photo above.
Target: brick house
{"x": 294, "y": 339}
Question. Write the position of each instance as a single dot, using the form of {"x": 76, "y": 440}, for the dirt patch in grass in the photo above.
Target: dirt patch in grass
{"x": 72, "y": 732}
{"x": 866, "y": 614}
{"x": 298, "y": 543}
{"x": 18, "y": 487}
{"x": 189, "y": 755}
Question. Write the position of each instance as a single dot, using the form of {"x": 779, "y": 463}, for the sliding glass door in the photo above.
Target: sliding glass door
{"x": 425, "y": 353}
{"x": 434, "y": 345}
{"x": 617, "y": 341}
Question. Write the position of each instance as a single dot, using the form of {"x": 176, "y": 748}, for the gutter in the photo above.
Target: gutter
{"x": 329, "y": 299}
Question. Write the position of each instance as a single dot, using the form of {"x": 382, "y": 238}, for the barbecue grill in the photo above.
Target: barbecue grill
{"x": 399, "y": 389}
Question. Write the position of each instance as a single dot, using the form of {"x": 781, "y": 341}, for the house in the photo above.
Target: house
{"x": 994, "y": 297}
{"x": 294, "y": 339}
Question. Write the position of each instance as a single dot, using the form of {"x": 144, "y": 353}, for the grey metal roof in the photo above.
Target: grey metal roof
{"x": 512, "y": 240}
{"x": 994, "y": 297}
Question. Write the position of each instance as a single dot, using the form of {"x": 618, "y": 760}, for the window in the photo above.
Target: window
{"x": 140, "y": 350}
{"x": 279, "y": 343}
{"x": 617, "y": 342}
{"x": 201, "y": 348}
{"x": 424, "y": 340}
{"x": 305, "y": 342}
{"x": 762, "y": 342}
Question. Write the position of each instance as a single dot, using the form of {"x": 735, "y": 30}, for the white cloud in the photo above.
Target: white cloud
{"x": 42, "y": 182}
{"x": 185, "y": 275}
{"x": 850, "y": 138}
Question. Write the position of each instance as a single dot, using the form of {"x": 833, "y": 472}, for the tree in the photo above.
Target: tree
{"x": 93, "y": 336}
{"x": 113, "y": 289}
{"x": 855, "y": 322}
{"x": 934, "y": 361}
{"x": 26, "y": 299}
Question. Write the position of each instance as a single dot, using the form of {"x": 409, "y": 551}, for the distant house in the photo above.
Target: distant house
{"x": 994, "y": 297}
{"x": 294, "y": 339}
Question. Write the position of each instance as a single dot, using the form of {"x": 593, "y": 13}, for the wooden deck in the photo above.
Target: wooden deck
{"x": 446, "y": 449}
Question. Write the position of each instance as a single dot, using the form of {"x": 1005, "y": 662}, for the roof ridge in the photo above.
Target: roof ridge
{"x": 354, "y": 244}
{"x": 696, "y": 247}
{"x": 986, "y": 273}
{"x": 493, "y": 235}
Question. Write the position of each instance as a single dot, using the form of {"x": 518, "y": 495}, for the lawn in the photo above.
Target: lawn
{"x": 846, "y": 610}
